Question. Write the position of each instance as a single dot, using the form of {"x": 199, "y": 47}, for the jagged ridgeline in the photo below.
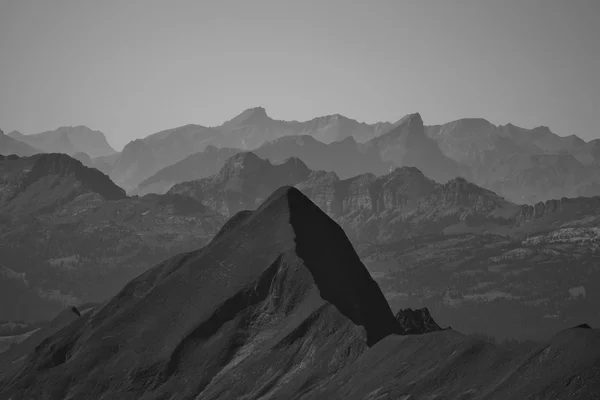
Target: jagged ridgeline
{"x": 279, "y": 306}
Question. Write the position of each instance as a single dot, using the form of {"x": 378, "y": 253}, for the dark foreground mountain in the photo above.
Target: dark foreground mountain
{"x": 279, "y": 306}
{"x": 69, "y": 235}
{"x": 271, "y": 306}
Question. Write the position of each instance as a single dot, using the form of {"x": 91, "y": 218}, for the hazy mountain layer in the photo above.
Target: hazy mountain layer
{"x": 68, "y": 140}
{"x": 9, "y": 146}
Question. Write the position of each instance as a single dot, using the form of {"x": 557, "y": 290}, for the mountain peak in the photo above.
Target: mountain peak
{"x": 410, "y": 120}
{"x": 281, "y": 286}
{"x": 250, "y": 116}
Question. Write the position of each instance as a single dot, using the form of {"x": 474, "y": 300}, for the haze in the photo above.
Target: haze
{"x": 133, "y": 68}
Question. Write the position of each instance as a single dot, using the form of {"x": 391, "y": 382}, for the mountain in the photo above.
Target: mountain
{"x": 253, "y": 127}
{"x": 346, "y": 158}
{"x": 408, "y": 145}
{"x": 46, "y": 181}
{"x": 523, "y": 165}
{"x": 249, "y": 130}
{"x": 278, "y": 305}
{"x": 68, "y": 140}
{"x": 70, "y": 235}
{"x": 10, "y": 145}
{"x": 196, "y": 166}
{"x": 16, "y": 354}
{"x": 244, "y": 182}
{"x": 142, "y": 158}
{"x": 277, "y": 315}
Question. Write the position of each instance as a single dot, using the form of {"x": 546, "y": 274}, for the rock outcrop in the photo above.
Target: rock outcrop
{"x": 417, "y": 321}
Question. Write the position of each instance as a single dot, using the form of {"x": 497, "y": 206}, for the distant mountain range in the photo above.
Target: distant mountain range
{"x": 9, "y": 145}
{"x": 522, "y": 165}
{"x": 68, "y": 140}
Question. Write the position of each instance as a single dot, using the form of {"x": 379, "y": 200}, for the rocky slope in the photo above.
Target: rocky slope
{"x": 73, "y": 236}
{"x": 69, "y": 140}
{"x": 276, "y": 315}
{"x": 276, "y": 308}
{"x": 9, "y": 145}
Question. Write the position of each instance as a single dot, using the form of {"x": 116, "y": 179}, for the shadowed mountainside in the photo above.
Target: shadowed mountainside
{"x": 265, "y": 314}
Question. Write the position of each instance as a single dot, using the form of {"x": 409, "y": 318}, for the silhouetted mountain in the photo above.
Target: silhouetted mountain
{"x": 142, "y": 158}
{"x": 9, "y": 145}
{"x": 68, "y": 140}
{"x": 293, "y": 304}
{"x": 408, "y": 145}
{"x": 196, "y": 166}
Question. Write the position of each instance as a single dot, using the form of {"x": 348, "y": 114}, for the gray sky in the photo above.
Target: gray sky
{"x": 131, "y": 68}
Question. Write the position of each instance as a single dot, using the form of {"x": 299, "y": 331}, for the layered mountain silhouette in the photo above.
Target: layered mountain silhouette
{"x": 278, "y": 305}
{"x": 68, "y": 140}
{"x": 142, "y": 158}
{"x": 403, "y": 202}
{"x": 346, "y": 158}
{"x": 196, "y": 166}
{"x": 524, "y": 165}
{"x": 9, "y": 146}
{"x": 254, "y": 127}
{"x": 408, "y": 145}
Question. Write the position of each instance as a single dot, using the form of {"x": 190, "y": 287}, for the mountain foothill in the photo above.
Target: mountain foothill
{"x": 325, "y": 259}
